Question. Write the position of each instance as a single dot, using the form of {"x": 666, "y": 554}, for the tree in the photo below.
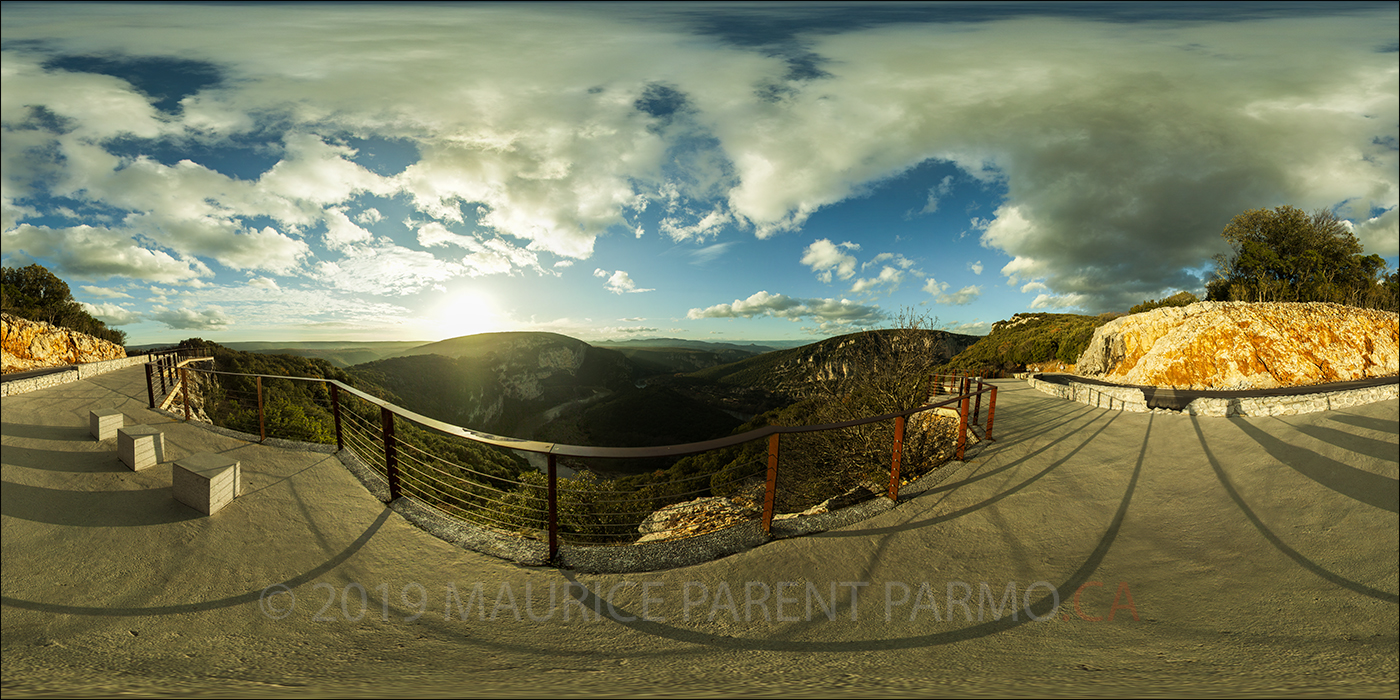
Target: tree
{"x": 34, "y": 293}
{"x": 1285, "y": 254}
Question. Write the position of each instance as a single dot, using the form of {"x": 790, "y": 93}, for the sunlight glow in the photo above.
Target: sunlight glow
{"x": 468, "y": 313}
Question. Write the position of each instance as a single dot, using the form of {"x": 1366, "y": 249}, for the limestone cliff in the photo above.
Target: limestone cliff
{"x": 1239, "y": 345}
{"x": 27, "y": 345}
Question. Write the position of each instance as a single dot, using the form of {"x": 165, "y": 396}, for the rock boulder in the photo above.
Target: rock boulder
{"x": 1239, "y": 345}
{"x": 26, "y": 345}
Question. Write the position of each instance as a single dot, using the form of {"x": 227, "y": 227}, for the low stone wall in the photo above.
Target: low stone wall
{"x": 83, "y": 371}
{"x": 1119, "y": 398}
{"x": 1132, "y": 400}
{"x": 1291, "y": 405}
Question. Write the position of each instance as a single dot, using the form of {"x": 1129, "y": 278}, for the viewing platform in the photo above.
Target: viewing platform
{"x": 1195, "y": 554}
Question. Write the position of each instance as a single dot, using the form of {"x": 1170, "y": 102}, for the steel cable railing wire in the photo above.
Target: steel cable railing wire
{"x": 589, "y": 509}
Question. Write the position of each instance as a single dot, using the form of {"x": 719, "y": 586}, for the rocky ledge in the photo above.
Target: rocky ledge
{"x": 26, "y": 345}
{"x": 1238, "y": 346}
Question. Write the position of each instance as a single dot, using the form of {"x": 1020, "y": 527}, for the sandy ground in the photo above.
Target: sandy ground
{"x": 1203, "y": 556}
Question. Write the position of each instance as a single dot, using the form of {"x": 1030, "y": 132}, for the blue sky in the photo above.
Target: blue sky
{"x": 718, "y": 172}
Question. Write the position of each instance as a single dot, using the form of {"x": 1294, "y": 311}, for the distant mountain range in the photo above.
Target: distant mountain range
{"x": 338, "y": 353}
{"x": 653, "y": 391}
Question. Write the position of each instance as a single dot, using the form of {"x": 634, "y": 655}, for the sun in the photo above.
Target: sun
{"x": 467, "y": 313}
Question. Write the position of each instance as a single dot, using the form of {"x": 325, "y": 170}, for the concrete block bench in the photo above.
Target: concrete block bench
{"x": 105, "y": 422}
{"x": 206, "y": 481}
{"x": 141, "y": 446}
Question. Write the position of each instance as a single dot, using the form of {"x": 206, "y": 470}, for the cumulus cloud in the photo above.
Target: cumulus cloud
{"x": 976, "y": 267}
{"x": 619, "y": 282}
{"x": 841, "y": 312}
{"x": 888, "y": 279}
{"x": 1060, "y": 301}
{"x": 963, "y": 296}
{"x": 88, "y": 252}
{"x": 826, "y": 258}
{"x": 210, "y": 319}
{"x": 111, "y": 314}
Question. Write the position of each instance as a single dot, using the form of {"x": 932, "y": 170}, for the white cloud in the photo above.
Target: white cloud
{"x": 937, "y": 192}
{"x": 435, "y": 234}
{"x": 889, "y": 278}
{"x": 963, "y": 296}
{"x": 832, "y": 311}
{"x": 1059, "y": 301}
{"x": 369, "y": 216}
{"x": 87, "y": 252}
{"x": 104, "y": 292}
{"x": 619, "y": 282}
{"x": 264, "y": 283}
{"x": 976, "y": 267}
{"x": 709, "y": 253}
{"x": 211, "y": 319}
{"x": 707, "y": 227}
{"x": 826, "y": 258}
{"x": 111, "y": 314}
{"x": 899, "y": 260}
{"x": 385, "y": 269}
{"x": 341, "y": 232}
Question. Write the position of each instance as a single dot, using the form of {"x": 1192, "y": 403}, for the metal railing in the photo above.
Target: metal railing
{"x": 163, "y": 378}
{"x": 442, "y": 465}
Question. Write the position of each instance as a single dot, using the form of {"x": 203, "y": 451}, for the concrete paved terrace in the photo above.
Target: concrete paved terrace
{"x": 1213, "y": 556}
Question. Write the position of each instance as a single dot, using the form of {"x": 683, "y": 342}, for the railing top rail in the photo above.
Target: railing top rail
{"x": 607, "y": 452}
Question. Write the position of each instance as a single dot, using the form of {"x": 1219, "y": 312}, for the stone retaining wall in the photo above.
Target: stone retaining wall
{"x": 83, "y": 371}
{"x": 1132, "y": 400}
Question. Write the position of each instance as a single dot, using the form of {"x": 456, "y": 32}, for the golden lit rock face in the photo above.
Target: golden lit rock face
{"x": 1239, "y": 345}
{"x": 26, "y": 345}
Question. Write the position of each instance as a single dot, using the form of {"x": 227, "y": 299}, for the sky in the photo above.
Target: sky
{"x": 724, "y": 172}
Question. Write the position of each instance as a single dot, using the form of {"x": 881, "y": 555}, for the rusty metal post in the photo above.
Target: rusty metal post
{"x": 185, "y": 389}
{"x": 150, "y": 387}
{"x": 771, "y": 486}
{"x": 991, "y": 412}
{"x": 262, "y": 425}
{"x": 552, "y": 523}
{"x": 335, "y": 413}
{"x": 897, "y": 457}
{"x": 962, "y": 426}
{"x": 391, "y": 456}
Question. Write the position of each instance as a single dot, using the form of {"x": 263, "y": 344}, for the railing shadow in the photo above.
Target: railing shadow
{"x": 1273, "y": 539}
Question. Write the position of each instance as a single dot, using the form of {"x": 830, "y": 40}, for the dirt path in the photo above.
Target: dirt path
{"x": 1189, "y": 555}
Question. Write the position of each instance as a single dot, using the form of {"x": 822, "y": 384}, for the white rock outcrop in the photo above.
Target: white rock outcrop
{"x": 1239, "y": 345}
{"x": 26, "y": 345}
